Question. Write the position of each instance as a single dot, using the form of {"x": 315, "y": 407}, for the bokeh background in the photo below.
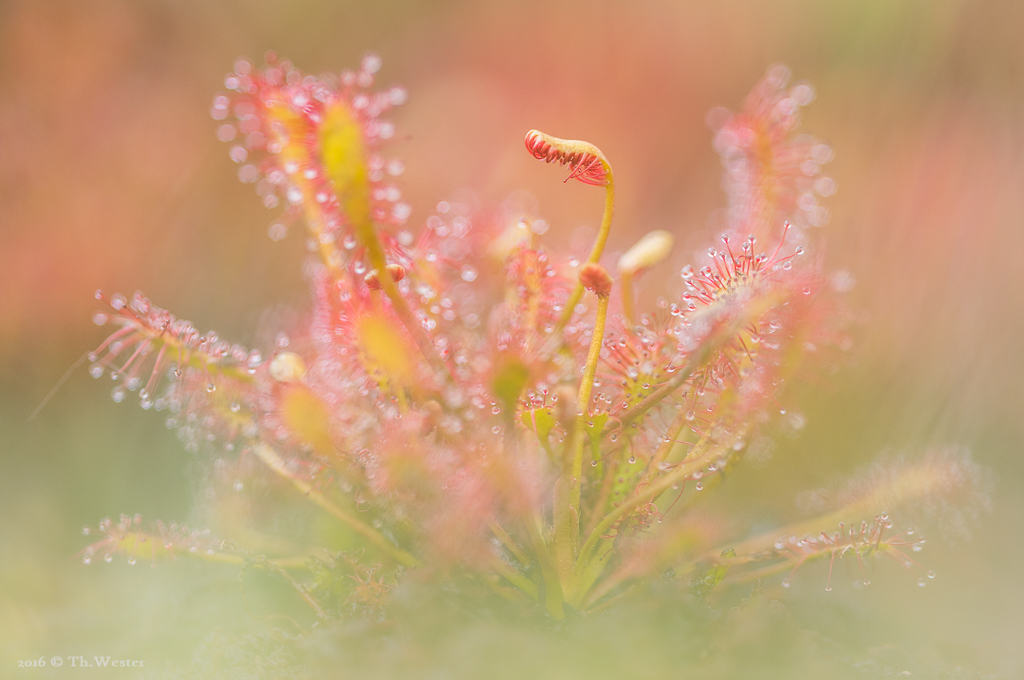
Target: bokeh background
{"x": 110, "y": 177}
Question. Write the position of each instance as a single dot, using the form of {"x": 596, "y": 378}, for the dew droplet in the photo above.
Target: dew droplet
{"x": 828, "y": 588}
{"x": 931, "y": 574}
{"x": 371, "y": 63}
{"x": 699, "y": 486}
{"x": 131, "y": 560}
{"x": 108, "y": 558}
{"x": 117, "y": 394}
{"x": 785, "y": 583}
{"x": 277, "y": 231}
{"x": 211, "y": 388}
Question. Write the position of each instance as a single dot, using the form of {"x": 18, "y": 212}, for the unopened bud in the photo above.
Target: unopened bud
{"x": 287, "y": 367}
{"x": 651, "y": 249}
{"x": 596, "y": 279}
{"x": 372, "y": 280}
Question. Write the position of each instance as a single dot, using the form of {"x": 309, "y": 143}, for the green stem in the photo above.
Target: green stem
{"x": 718, "y": 338}
{"x": 624, "y": 573}
{"x": 553, "y": 597}
{"x": 684, "y": 470}
{"x": 711, "y": 344}
{"x": 626, "y": 278}
{"x": 583, "y": 400}
{"x": 604, "y": 606}
{"x": 610, "y": 472}
{"x": 567, "y": 504}
{"x": 665, "y": 449}
{"x": 513, "y": 576}
{"x": 133, "y": 541}
{"x": 272, "y": 460}
{"x": 344, "y": 160}
{"x": 271, "y": 565}
{"x": 375, "y": 252}
{"x": 591, "y": 572}
{"x": 583, "y": 396}
{"x": 808, "y": 527}
{"x": 595, "y": 252}
{"x": 510, "y": 594}
{"x": 659, "y": 395}
{"x": 509, "y": 542}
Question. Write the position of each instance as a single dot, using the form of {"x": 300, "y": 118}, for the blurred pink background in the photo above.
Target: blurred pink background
{"x": 110, "y": 177}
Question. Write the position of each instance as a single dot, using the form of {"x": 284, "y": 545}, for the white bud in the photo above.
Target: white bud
{"x": 651, "y": 249}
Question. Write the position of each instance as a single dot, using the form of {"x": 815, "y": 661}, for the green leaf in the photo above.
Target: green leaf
{"x": 702, "y": 585}
{"x": 539, "y": 420}
{"x": 509, "y": 381}
{"x": 595, "y": 428}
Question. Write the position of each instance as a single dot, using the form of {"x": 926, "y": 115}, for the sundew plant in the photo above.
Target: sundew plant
{"x": 472, "y": 408}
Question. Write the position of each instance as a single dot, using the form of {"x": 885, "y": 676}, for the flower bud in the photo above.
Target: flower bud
{"x": 651, "y": 249}
{"x": 596, "y": 279}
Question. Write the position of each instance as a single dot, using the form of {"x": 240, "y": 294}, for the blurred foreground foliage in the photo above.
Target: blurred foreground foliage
{"x": 667, "y": 633}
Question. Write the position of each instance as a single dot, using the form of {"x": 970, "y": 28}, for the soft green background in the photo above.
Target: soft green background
{"x": 110, "y": 177}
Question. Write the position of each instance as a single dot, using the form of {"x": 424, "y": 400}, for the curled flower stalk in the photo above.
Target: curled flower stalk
{"x": 589, "y": 166}
{"x": 443, "y": 401}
